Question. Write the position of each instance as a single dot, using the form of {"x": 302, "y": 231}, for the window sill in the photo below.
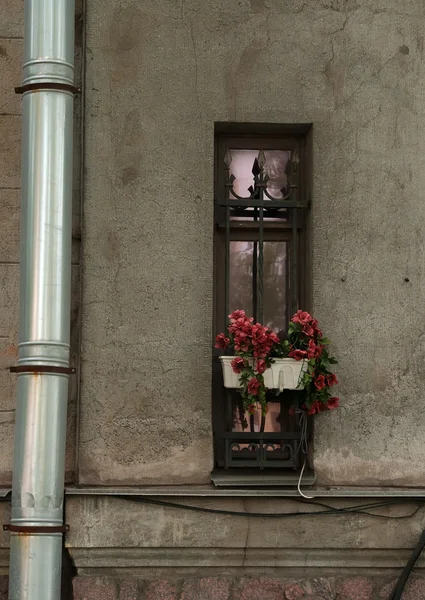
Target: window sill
{"x": 257, "y": 478}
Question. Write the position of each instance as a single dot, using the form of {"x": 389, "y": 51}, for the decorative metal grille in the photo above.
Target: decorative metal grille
{"x": 262, "y": 204}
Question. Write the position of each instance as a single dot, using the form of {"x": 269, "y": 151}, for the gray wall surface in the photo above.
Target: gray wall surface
{"x": 127, "y": 537}
{"x": 159, "y": 74}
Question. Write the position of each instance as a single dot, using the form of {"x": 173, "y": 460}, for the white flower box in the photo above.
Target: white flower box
{"x": 284, "y": 374}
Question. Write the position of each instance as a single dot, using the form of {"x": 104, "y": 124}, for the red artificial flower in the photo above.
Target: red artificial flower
{"x": 238, "y": 325}
{"x": 274, "y": 337}
{"x": 308, "y": 330}
{"x": 238, "y": 364}
{"x": 333, "y": 403}
{"x": 237, "y": 314}
{"x": 298, "y": 354}
{"x": 301, "y": 317}
{"x": 314, "y": 408}
{"x": 242, "y": 341}
{"x": 221, "y": 341}
{"x": 332, "y": 379}
{"x": 259, "y": 334}
{"x": 261, "y": 365}
{"x": 253, "y": 386}
{"x": 251, "y": 409}
{"x": 317, "y": 331}
{"x": 313, "y": 350}
{"x": 320, "y": 382}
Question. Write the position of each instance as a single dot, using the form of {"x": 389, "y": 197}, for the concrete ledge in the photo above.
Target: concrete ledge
{"x": 211, "y": 490}
{"x": 321, "y": 558}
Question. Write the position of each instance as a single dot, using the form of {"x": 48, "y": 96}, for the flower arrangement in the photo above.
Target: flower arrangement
{"x": 256, "y": 347}
{"x": 306, "y": 342}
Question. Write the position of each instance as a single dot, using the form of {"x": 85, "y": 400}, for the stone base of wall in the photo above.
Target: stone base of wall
{"x": 247, "y": 588}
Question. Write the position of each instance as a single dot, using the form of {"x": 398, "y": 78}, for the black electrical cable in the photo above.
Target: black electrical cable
{"x": 359, "y": 510}
{"x": 362, "y": 508}
{"x": 401, "y": 583}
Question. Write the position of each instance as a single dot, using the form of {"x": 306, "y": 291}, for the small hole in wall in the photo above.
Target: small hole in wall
{"x": 406, "y": 279}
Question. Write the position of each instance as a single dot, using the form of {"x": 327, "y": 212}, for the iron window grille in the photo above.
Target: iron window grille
{"x": 267, "y": 216}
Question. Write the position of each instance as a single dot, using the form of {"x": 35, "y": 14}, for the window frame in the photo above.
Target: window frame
{"x": 295, "y": 137}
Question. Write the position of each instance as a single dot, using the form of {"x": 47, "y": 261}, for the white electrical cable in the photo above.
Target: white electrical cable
{"x": 299, "y": 482}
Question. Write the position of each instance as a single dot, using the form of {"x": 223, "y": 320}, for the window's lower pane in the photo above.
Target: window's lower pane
{"x": 273, "y": 419}
{"x": 244, "y": 274}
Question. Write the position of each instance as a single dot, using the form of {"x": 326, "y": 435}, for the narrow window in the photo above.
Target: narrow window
{"x": 261, "y": 266}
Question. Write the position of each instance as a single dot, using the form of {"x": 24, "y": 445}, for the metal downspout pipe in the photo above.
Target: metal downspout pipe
{"x": 45, "y": 294}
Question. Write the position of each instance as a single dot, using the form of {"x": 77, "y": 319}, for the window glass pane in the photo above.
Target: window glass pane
{"x": 243, "y": 288}
{"x": 273, "y": 419}
{"x": 275, "y": 167}
{"x": 275, "y": 285}
{"x": 240, "y": 274}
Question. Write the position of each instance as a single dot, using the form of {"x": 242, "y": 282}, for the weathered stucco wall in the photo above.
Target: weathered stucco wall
{"x": 159, "y": 74}
{"x": 126, "y": 536}
{"x": 11, "y": 56}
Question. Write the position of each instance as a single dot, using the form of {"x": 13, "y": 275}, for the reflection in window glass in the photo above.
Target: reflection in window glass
{"x": 273, "y": 419}
{"x": 242, "y": 281}
{"x": 240, "y": 274}
{"x": 275, "y": 168}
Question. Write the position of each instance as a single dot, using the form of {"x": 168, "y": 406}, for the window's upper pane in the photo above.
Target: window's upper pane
{"x": 276, "y": 168}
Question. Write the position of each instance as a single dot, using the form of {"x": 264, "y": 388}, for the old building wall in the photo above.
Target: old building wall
{"x": 159, "y": 75}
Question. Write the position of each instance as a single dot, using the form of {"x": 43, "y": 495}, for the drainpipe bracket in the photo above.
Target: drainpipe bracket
{"x": 43, "y": 86}
{"x": 34, "y": 528}
{"x": 43, "y": 369}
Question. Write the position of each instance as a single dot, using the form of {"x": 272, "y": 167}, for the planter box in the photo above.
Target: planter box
{"x": 284, "y": 374}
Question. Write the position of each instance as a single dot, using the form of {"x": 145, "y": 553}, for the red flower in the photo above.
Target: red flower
{"x": 301, "y": 317}
{"x": 314, "y": 408}
{"x": 261, "y": 365}
{"x": 320, "y": 382}
{"x": 238, "y": 325}
{"x": 242, "y": 342}
{"x": 237, "y": 314}
{"x": 221, "y": 341}
{"x": 313, "y": 351}
{"x": 238, "y": 364}
{"x": 333, "y": 403}
{"x": 253, "y": 386}
{"x": 308, "y": 330}
{"x": 298, "y": 354}
{"x": 273, "y": 337}
{"x": 251, "y": 409}
{"x": 332, "y": 380}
